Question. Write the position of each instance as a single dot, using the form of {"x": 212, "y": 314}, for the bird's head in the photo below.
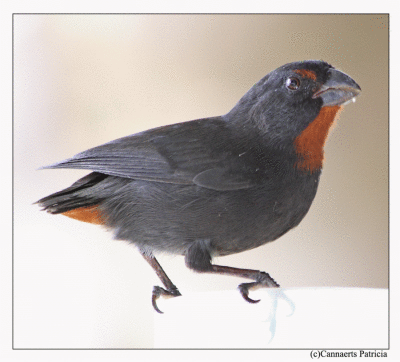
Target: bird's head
{"x": 294, "y": 106}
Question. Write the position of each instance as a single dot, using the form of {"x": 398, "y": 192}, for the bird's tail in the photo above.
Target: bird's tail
{"x": 75, "y": 201}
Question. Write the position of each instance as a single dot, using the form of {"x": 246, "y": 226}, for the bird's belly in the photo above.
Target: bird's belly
{"x": 232, "y": 221}
{"x": 265, "y": 223}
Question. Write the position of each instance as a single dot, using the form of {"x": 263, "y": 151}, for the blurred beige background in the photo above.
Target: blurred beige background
{"x": 83, "y": 80}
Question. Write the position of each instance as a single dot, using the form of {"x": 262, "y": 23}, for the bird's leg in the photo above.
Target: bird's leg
{"x": 198, "y": 258}
{"x": 170, "y": 291}
{"x": 261, "y": 279}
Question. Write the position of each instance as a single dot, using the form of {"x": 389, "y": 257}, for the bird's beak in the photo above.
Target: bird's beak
{"x": 338, "y": 89}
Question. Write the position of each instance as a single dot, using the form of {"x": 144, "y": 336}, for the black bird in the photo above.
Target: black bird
{"x": 214, "y": 186}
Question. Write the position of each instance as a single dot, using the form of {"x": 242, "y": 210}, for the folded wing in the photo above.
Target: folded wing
{"x": 184, "y": 153}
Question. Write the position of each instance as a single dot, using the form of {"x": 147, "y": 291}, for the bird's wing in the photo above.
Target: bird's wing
{"x": 199, "y": 152}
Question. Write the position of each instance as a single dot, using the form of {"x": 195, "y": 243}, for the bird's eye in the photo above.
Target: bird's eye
{"x": 292, "y": 83}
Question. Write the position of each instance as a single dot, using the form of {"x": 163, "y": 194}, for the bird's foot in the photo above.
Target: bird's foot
{"x": 158, "y": 292}
{"x": 264, "y": 280}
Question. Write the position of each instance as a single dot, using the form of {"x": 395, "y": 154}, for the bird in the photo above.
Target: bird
{"x": 214, "y": 186}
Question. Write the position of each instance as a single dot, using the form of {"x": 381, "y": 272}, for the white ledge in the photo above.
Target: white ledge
{"x": 326, "y": 318}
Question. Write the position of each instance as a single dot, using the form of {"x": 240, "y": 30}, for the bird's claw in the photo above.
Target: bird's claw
{"x": 264, "y": 280}
{"x": 244, "y": 291}
{"x": 158, "y": 292}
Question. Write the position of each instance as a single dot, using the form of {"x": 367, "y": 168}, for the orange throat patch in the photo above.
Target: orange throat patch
{"x": 86, "y": 214}
{"x": 310, "y": 143}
